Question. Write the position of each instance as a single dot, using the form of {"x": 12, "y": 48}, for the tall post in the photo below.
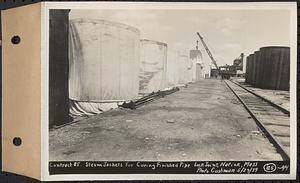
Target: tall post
{"x": 58, "y": 67}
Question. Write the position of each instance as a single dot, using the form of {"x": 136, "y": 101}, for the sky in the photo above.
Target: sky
{"x": 228, "y": 33}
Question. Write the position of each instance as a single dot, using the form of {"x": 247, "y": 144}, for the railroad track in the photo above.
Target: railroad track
{"x": 273, "y": 120}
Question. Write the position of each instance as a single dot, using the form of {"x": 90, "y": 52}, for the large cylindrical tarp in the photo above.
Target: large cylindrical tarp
{"x": 153, "y": 66}
{"x": 104, "y": 61}
{"x": 183, "y": 69}
{"x": 173, "y": 68}
{"x": 196, "y": 57}
{"x": 189, "y": 71}
{"x": 199, "y": 72}
{"x": 193, "y": 71}
{"x": 206, "y": 65}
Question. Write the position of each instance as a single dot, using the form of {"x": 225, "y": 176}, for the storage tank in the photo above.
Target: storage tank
{"x": 254, "y": 67}
{"x": 283, "y": 67}
{"x": 260, "y": 71}
{"x": 153, "y": 66}
{"x": 275, "y": 67}
{"x": 257, "y": 68}
{"x": 195, "y": 57}
{"x": 104, "y": 61}
{"x": 172, "y": 68}
{"x": 251, "y": 60}
{"x": 249, "y": 69}
{"x": 265, "y": 73}
{"x": 183, "y": 69}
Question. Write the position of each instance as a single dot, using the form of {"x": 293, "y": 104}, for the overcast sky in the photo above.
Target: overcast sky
{"x": 227, "y": 32}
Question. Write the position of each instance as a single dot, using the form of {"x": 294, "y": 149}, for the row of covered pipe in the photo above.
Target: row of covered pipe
{"x": 109, "y": 63}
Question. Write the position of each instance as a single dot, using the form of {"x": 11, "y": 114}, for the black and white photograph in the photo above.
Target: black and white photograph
{"x": 162, "y": 86}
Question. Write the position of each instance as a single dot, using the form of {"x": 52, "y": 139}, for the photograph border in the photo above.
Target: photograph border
{"x": 46, "y": 6}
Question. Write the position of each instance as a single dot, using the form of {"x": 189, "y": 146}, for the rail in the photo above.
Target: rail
{"x": 280, "y": 149}
{"x": 263, "y": 98}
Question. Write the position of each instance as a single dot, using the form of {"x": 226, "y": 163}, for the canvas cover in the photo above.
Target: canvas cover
{"x": 189, "y": 71}
{"x": 173, "y": 68}
{"x": 78, "y": 108}
{"x": 207, "y": 65}
{"x": 199, "y": 74}
{"x": 196, "y": 57}
{"x": 183, "y": 69}
{"x": 153, "y": 66}
{"x": 104, "y": 61}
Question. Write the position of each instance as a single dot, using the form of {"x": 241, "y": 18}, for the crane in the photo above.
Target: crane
{"x": 208, "y": 52}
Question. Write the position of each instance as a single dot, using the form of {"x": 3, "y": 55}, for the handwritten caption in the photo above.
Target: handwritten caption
{"x": 205, "y": 167}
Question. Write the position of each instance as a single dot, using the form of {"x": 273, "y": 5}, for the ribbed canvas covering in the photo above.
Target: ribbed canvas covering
{"x": 206, "y": 64}
{"x": 153, "y": 66}
{"x": 183, "y": 71}
{"x": 195, "y": 57}
{"x": 193, "y": 71}
{"x": 173, "y": 68}
{"x": 78, "y": 108}
{"x": 104, "y": 61}
{"x": 199, "y": 74}
{"x": 189, "y": 71}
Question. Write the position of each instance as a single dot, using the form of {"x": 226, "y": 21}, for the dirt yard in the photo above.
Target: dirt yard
{"x": 201, "y": 122}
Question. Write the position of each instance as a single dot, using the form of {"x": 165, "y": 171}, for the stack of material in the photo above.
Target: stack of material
{"x": 269, "y": 68}
{"x": 153, "y": 66}
{"x": 103, "y": 63}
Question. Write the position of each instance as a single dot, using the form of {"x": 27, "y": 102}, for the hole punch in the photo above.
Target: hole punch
{"x": 17, "y": 141}
{"x": 15, "y": 39}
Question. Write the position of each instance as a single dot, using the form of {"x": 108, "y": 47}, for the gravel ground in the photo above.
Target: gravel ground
{"x": 201, "y": 122}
